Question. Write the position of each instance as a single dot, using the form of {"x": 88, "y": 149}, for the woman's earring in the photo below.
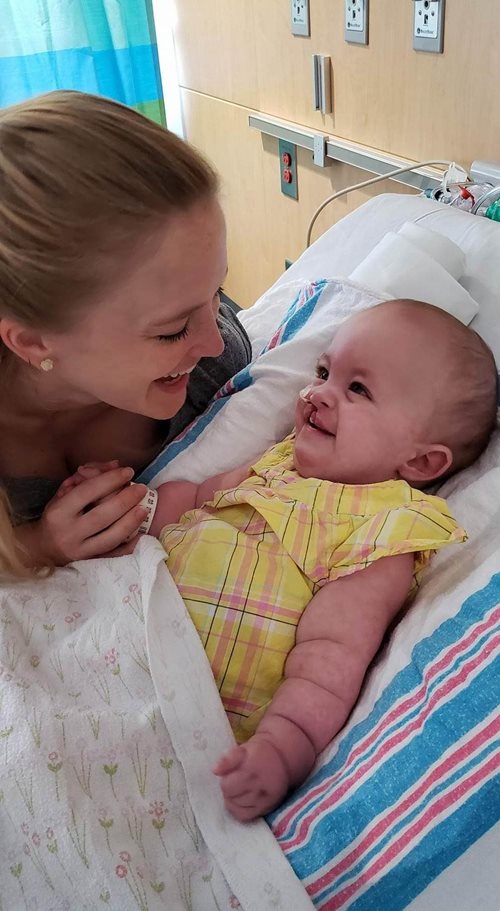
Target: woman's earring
{"x": 47, "y": 364}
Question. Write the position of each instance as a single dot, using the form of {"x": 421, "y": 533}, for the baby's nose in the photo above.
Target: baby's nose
{"x": 322, "y": 395}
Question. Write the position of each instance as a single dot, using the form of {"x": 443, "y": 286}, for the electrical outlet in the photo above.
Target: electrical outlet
{"x": 299, "y": 10}
{"x": 288, "y": 168}
{"x": 428, "y": 25}
{"x": 356, "y": 21}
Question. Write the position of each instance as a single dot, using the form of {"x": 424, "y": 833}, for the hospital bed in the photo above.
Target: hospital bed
{"x": 110, "y": 721}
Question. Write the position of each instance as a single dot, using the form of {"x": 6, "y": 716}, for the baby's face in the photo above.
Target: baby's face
{"x": 368, "y": 410}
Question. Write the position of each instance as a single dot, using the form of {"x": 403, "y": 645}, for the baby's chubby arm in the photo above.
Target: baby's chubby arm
{"x": 337, "y": 637}
{"x": 177, "y": 497}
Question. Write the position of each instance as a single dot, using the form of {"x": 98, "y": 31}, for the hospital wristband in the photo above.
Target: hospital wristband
{"x": 150, "y": 502}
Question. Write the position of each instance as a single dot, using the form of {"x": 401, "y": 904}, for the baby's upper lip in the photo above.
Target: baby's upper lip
{"x": 316, "y": 421}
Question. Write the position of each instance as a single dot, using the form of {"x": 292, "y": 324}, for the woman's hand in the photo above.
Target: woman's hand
{"x": 83, "y": 472}
{"x": 89, "y": 520}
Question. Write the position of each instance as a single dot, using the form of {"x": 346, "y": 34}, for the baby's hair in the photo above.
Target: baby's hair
{"x": 465, "y": 412}
{"x": 84, "y": 182}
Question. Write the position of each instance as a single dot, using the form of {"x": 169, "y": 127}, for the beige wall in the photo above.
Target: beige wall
{"x": 235, "y": 56}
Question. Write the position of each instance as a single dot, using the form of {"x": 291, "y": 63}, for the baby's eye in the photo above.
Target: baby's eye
{"x": 321, "y": 372}
{"x": 359, "y": 389}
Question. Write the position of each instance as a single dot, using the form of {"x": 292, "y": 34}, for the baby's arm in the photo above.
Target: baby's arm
{"x": 337, "y": 637}
{"x": 177, "y": 497}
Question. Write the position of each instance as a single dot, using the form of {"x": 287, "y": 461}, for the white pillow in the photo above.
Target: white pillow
{"x": 342, "y": 248}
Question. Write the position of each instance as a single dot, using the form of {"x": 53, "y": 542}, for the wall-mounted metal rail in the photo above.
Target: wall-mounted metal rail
{"x": 325, "y": 147}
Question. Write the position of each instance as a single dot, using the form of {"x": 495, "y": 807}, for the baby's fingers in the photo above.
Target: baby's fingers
{"x": 230, "y": 761}
{"x": 92, "y": 469}
{"x": 246, "y": 813}
{"x": 68, "y": 485}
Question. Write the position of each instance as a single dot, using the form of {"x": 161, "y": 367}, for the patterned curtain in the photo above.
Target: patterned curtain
{"x": 107, "y": 47}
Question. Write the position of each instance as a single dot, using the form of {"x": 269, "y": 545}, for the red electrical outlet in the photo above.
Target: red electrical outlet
{"x": 288, "y": 168}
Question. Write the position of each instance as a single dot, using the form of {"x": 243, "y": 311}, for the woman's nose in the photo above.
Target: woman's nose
{"x": 209, "y": 342}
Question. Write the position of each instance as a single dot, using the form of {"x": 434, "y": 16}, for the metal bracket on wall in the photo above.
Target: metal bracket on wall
{"x": 319, "y": 150}
{"x": 350, "y": 153}
{"x": 322, "y": 83}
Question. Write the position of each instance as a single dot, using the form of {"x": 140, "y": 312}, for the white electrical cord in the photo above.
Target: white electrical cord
{"x": 367, "y": 183}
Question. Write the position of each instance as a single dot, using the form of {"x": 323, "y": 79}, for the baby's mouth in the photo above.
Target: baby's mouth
{"x": 316, "y": 424}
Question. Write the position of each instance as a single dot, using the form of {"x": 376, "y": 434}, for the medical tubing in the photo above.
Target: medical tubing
{"x": 367, "y": 183}
{"x": 495, "y": 191}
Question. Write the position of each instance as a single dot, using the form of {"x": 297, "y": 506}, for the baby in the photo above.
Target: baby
{"x": 279, "y": 562}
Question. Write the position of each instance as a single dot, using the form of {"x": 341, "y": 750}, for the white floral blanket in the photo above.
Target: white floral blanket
{"x": 109, "y": 725}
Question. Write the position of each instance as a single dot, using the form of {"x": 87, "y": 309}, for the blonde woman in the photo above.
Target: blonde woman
{"x": 112, "y": 254}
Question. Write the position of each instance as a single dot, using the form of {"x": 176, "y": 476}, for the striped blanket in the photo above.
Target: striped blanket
{"x": 412, "y": 786}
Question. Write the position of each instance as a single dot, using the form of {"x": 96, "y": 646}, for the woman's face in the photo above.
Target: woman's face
{"x": 135, "y": 348}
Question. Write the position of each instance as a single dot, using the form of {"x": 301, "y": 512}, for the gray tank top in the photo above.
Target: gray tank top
{"x": 28, "y": 497}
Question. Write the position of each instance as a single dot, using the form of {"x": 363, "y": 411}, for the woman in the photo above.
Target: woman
{"x": 112, "y": 254}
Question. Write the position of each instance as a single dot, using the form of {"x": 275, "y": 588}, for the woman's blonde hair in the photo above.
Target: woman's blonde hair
{"x": 83, "y": 181}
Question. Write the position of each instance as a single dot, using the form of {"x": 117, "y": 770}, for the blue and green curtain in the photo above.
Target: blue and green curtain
{"x": 107, "y": 47}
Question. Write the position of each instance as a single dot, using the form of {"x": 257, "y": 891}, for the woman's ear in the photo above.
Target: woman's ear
{"x": 25, "y": 342}
{"x": 428, "y": 466}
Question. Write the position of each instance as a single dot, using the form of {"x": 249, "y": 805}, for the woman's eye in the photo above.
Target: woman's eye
{"x": 176, "y": 336}
{"x": 359, "y": 389}
{"x": 321, "y": 372}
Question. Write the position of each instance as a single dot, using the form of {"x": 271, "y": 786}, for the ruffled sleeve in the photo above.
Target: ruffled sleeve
{"x": 421, "y": 525}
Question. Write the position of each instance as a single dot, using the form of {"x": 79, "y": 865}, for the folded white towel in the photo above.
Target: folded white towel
{"x": 413, "y": 265}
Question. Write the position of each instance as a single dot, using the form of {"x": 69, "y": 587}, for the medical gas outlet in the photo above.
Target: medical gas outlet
{"x": 299, "y": 12}
{"x": 356, "y": 21}
{"x": 428, "y": 25}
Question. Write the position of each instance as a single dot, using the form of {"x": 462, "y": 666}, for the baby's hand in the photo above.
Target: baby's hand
{"x": 254, "y": 778}
{"x": 90, "y": 470}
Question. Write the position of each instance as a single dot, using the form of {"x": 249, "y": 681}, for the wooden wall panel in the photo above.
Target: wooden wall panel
{"x": 238, "y": 55}
{"x": 387, "y": 95}
{"x": 264, "y": 226}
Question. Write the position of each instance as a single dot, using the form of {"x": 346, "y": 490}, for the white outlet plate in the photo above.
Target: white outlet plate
{"x": 299, "y": 11}
{"x": 428, "y": 25}
{"x": 356, "y": 21}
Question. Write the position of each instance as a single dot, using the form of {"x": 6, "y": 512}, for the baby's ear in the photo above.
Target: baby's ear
{"x": 427, "y": 466}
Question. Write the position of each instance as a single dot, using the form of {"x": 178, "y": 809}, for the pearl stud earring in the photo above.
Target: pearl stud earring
{"x": 47, "y": 364}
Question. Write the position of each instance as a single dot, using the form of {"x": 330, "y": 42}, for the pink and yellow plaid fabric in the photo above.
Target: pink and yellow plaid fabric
{"x": 248, "y": 563}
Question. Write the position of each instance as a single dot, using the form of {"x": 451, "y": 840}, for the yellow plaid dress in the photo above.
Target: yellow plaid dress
{"x": 248, "y": 563}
